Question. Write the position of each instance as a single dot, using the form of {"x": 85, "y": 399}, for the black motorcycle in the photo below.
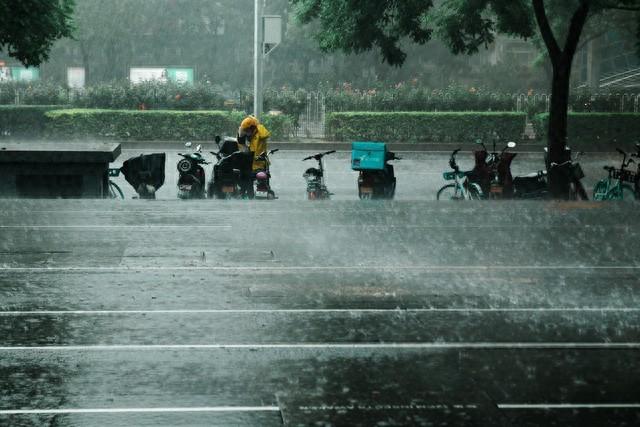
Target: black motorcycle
{"x": 191, "y": 176}
{"x": 536, "y": 185}
{"x": 232, "y": 175}
{"x": 492, "y": 170}
{"x": 316, "y": 188}
{"x": 378, "y": 184}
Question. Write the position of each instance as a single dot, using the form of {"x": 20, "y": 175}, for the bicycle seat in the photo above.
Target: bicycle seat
{"x": 529, "y": 175}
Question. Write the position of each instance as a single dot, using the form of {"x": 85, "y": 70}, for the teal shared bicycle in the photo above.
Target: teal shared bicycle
{"x": 619, "y": 185}
{"x": 114, "y": 190}
{"x": 462, "y": 187}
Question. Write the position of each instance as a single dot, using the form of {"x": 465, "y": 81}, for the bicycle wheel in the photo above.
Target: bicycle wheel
{"x": 114, "y": 191}
{"x": 450, "y": 192}
{"x": 600, "y": 190}
{"x": 475, "y": 192}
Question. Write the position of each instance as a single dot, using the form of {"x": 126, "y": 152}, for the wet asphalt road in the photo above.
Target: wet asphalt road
{"x": 264, "y": 313}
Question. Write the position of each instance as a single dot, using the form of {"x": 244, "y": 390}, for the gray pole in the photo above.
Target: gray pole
{"x": 257, "y": 59}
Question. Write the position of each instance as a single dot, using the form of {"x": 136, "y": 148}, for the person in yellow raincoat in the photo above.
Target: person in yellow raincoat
{"x": 256, "y": 135}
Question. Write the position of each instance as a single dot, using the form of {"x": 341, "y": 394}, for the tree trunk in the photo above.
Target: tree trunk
{"x": 562, "y": 60}
{"x": 557, "y": 131}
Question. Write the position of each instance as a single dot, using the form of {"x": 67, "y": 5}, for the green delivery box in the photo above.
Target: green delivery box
{"x": 368, "y": 155}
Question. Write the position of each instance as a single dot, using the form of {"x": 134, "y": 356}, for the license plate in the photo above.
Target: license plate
{"x": 496, "y": 189}
{"x": 366, "y": 190}
{"x": 227, "y": 189}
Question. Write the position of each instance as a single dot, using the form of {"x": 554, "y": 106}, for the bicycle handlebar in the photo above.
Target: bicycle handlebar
{"x": 318, "y": 156}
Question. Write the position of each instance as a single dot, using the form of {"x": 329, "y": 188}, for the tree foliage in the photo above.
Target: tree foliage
{"x": 354, "y": 26}
{"x": 28, "y": 28}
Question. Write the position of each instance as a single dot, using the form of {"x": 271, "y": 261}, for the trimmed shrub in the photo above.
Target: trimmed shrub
{"x": 24, "y": 121}
{"x": 153, "y": 125}
{"x": 424, "y": 126}
{"x": 594, "y": 127}
{"x": 33, "y": 93}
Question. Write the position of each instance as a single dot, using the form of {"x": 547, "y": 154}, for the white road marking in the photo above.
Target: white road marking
{"x": 116, "y": 226}
{"x": 138, "y": 410}
{"x": 6, "y": 268}
{"x": 339, "y": 346}
{"x": 569, "y": 406}
{"x": 324, "y": 310}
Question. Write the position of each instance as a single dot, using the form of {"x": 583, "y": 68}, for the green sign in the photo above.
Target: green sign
{"x": 22, "y": 74}
{"x": 180, "y": 75}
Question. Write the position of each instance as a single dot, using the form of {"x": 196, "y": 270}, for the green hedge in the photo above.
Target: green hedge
{"x": 423, "y": 126}
{"x": 594, "y": 127}
{"x": 153, "y": 125}
{"x": 24, "y": 121}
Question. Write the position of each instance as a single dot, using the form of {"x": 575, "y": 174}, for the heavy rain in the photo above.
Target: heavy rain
{"x": 319, "y": 213}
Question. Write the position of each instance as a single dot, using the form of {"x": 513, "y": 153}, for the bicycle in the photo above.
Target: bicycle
{"x": 458, "y": 190}
{"x": 614, "y": 187}
{"x": 114, "y": 190}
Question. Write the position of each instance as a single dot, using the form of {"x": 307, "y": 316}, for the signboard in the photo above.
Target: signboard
{"x": 22, "y": 74}
{"x": 161, "y": 74}
{"x": 272, "y": 25}
{"x": 76, "y": 77}
{"x": 5, "y": 74}
{"x": 180, "y": 75}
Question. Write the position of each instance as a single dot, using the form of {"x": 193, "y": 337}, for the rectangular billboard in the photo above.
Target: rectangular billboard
{"x": 20, "y": 74}
{"x": 76, "y": 77}
{"x": 161, "y": 74}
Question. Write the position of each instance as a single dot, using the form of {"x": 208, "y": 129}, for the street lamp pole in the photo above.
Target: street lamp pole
{"x": 257, "y": 59}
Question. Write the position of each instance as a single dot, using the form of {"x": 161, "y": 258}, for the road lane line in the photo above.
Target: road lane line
{"x": 114, "y": 226}
{"x": 138, "y": 410}
{"x": 569, "y": 406}
{"x": 322, "y": 268}
{"x": 324, "y": 310}
{"x": 340, "y": 346}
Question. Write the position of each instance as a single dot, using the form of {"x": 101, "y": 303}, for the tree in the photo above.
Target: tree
{"x": 465, "y": 25}
{"x": 28, "y": 28}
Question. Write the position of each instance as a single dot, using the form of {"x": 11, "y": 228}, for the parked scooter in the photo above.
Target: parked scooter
{"x": 191, "y": 176}
{"x": 492, "y": 170}
{"x": 231, "y": 177}
{"x": 145, "y": 173}
{"x": 536, "y": 185}
{"x": 316, "y": 188}
{"x": 376, "y": 178}
{"x": 263, "y": 178}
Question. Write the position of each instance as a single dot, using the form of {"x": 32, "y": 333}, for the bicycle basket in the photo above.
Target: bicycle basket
{"x": 625, "y": 176}
{"x": 114, "y": 172}
{"x": 450, "y": 176}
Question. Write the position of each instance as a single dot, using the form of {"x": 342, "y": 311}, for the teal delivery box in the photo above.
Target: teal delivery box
{"x": 368, "y": 155}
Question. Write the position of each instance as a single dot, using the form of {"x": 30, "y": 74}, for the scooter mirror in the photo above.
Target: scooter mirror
{"x": 511, "y": 144}
{"x": 199, "y": 148}
{"x": 188, "y": 144}
{"x": 217, "y": 139}
{"x": 479, "y": 141}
